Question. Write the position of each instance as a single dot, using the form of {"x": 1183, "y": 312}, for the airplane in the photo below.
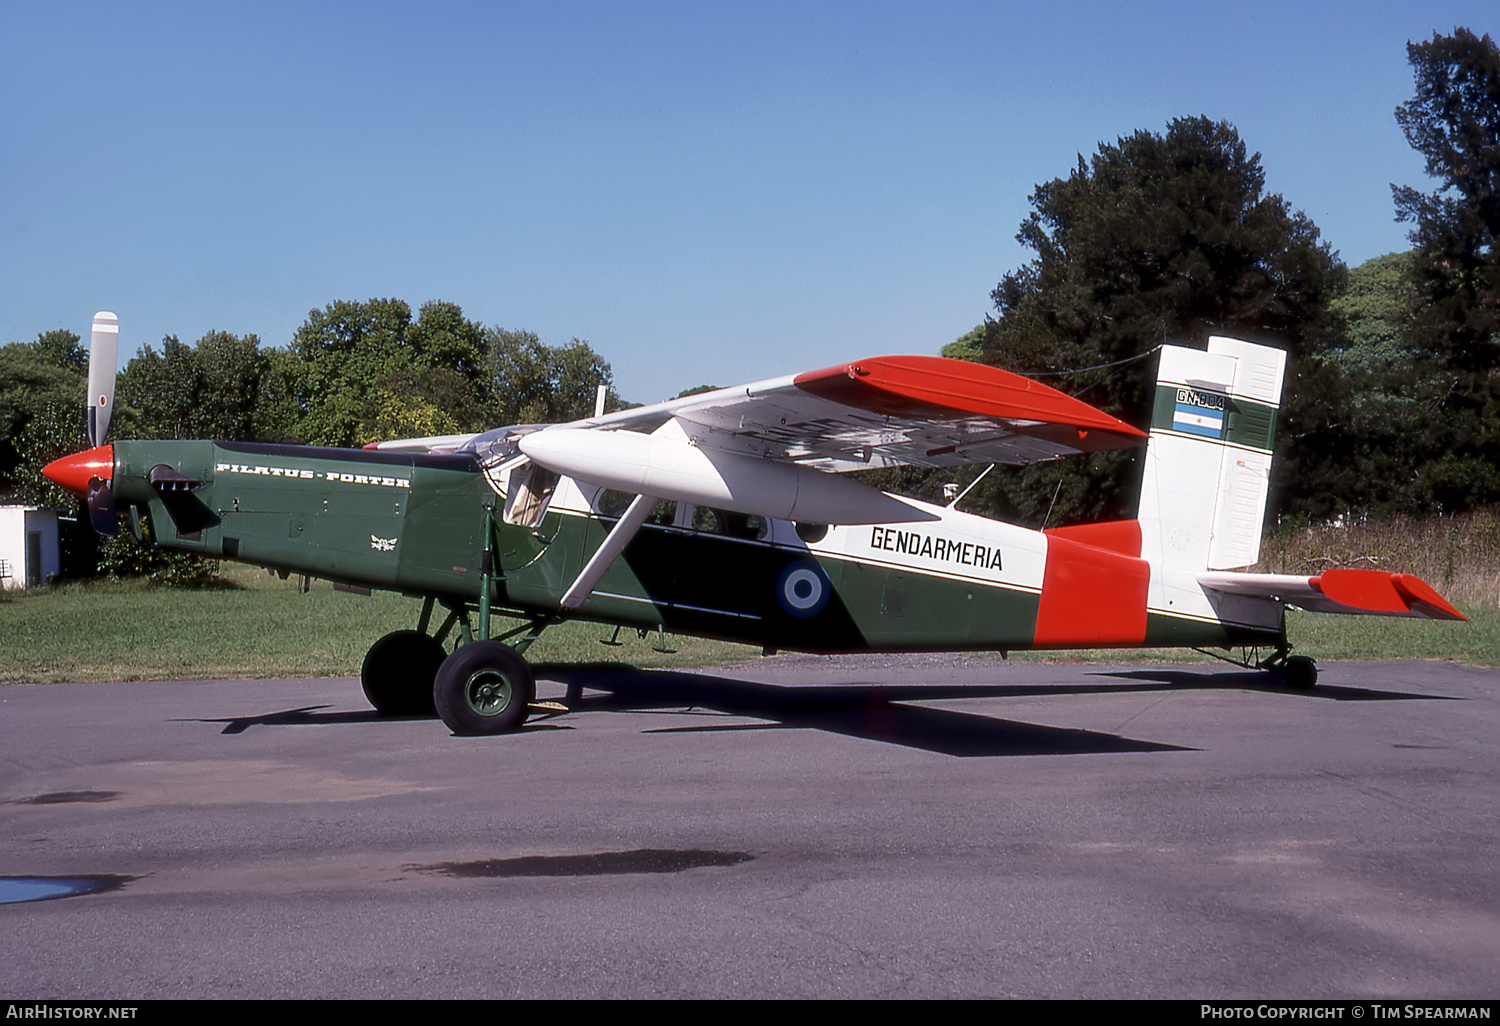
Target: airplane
{"x": 725, "y": 515}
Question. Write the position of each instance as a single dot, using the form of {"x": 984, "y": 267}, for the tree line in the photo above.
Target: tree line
{"x": 353, "y": 373}
{"x": 1392, "y": 400}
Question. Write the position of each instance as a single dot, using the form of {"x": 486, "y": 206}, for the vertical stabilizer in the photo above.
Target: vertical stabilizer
{"x": 1208, "y": 464}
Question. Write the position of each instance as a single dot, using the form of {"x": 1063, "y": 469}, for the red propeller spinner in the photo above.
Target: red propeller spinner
{"x": 76, "y": 471}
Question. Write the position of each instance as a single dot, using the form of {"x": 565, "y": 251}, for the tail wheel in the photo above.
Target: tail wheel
{"x": 483, "y": 688}
{"x": 1299, "y": 672}
{"x": 399, "y": 671}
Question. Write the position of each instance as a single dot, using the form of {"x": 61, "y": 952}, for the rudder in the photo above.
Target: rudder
{"x": 1208, "y": 462}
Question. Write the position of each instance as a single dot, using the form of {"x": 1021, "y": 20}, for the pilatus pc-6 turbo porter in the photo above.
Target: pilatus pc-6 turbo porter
{"x": 725, "y": 515}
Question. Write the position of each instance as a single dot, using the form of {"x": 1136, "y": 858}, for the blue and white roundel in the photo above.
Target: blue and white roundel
{"x": 803, "y": 589}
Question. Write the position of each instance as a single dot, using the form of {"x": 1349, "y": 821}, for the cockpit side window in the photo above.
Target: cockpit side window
{"x": 528, "y": 493}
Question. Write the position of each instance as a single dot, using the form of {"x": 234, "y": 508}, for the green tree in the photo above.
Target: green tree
{"x": 697, "y": 390}
{"x": 225, "y": 387}
{"x": 1454, "y": 122}
{"x": 1365, "y": 456}
{"x": 442, "y": 338}
{"x": 1158, "y": 238}
{"x": 347, "y": 350}
{"x": 42, "y": 396}
{"x": 62, "y": 348}
{"x": 968, "y": 346}
{"x": 1376, "y": 307}
{"x": 535, "y": 383}
{"x": 369, "y": 371}
{"x": 42, "y": 386}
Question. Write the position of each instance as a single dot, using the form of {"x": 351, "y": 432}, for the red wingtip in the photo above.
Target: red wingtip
{"x": 76, "y": 471}
{"x": 914, "y": 385}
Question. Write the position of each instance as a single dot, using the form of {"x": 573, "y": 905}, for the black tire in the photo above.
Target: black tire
{"x": 483, "y": 688}
{"x": 1299, "y": 672}
{"x": 398, "y": 672}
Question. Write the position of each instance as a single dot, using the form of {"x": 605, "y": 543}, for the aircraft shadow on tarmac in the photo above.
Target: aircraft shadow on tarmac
{"x": 876, "y": 712}
{"x": 306, "y": 715}
{"x": 1254, "y": 680}
{"x": 870, "y": 712}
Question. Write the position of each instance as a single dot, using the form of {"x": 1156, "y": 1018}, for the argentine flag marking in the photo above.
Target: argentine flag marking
{"x": 1198, "y": 420}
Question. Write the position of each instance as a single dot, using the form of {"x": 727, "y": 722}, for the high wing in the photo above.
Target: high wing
{"x": 766, "y": 449}
{"x": 886, "y": 411}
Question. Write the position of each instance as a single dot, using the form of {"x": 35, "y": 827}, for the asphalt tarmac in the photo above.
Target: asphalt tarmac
{"x": 931, "y": 826}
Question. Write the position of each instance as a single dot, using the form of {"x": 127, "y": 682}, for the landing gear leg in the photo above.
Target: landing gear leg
{"x": 486, "y": 686}
{"x": 1298, "y": 672}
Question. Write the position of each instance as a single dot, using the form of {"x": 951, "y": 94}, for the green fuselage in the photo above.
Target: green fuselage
{"x": 417, "y": 524}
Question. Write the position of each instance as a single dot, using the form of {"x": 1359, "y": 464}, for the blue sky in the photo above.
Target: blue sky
{"x": 710, "y": 192}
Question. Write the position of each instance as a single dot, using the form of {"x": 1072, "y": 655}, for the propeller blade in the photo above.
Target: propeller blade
{"x": 102, "y": 514}
{"x": 103, "y": 344}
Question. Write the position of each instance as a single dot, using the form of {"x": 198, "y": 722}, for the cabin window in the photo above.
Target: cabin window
{"x": 529, "y": 492}
{"x": 811, "y": 533}
{"x": 663, "y": 513}
{"x": 728, "y": 523}
{"x": 612, "y": 503}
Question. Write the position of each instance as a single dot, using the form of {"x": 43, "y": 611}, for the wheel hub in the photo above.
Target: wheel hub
{"x": 488, "y": 693}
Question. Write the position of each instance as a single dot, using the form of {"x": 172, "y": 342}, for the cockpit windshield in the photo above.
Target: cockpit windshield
{"x": 499, "y": 445}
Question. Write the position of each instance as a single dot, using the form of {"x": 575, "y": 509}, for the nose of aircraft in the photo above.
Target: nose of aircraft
{"x": 74, "y": 472}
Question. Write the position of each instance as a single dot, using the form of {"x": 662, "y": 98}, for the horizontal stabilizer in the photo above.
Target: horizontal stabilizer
{"x": 1367, "y": 592}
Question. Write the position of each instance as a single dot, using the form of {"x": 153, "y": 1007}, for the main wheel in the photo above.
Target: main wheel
{"x": 1299, "y": 672}
{"x": 483, "y": 688}
{"x": 398, "y": 672}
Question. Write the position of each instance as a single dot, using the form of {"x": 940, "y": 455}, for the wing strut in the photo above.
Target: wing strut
{"x": 615, "y": 542}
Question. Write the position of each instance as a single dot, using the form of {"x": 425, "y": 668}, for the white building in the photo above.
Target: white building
{"x": 29, "y": 554}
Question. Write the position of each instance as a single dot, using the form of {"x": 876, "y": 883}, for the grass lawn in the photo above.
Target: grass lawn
{"x": 257, "y": 627}
{"x": 262, "y": 627}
